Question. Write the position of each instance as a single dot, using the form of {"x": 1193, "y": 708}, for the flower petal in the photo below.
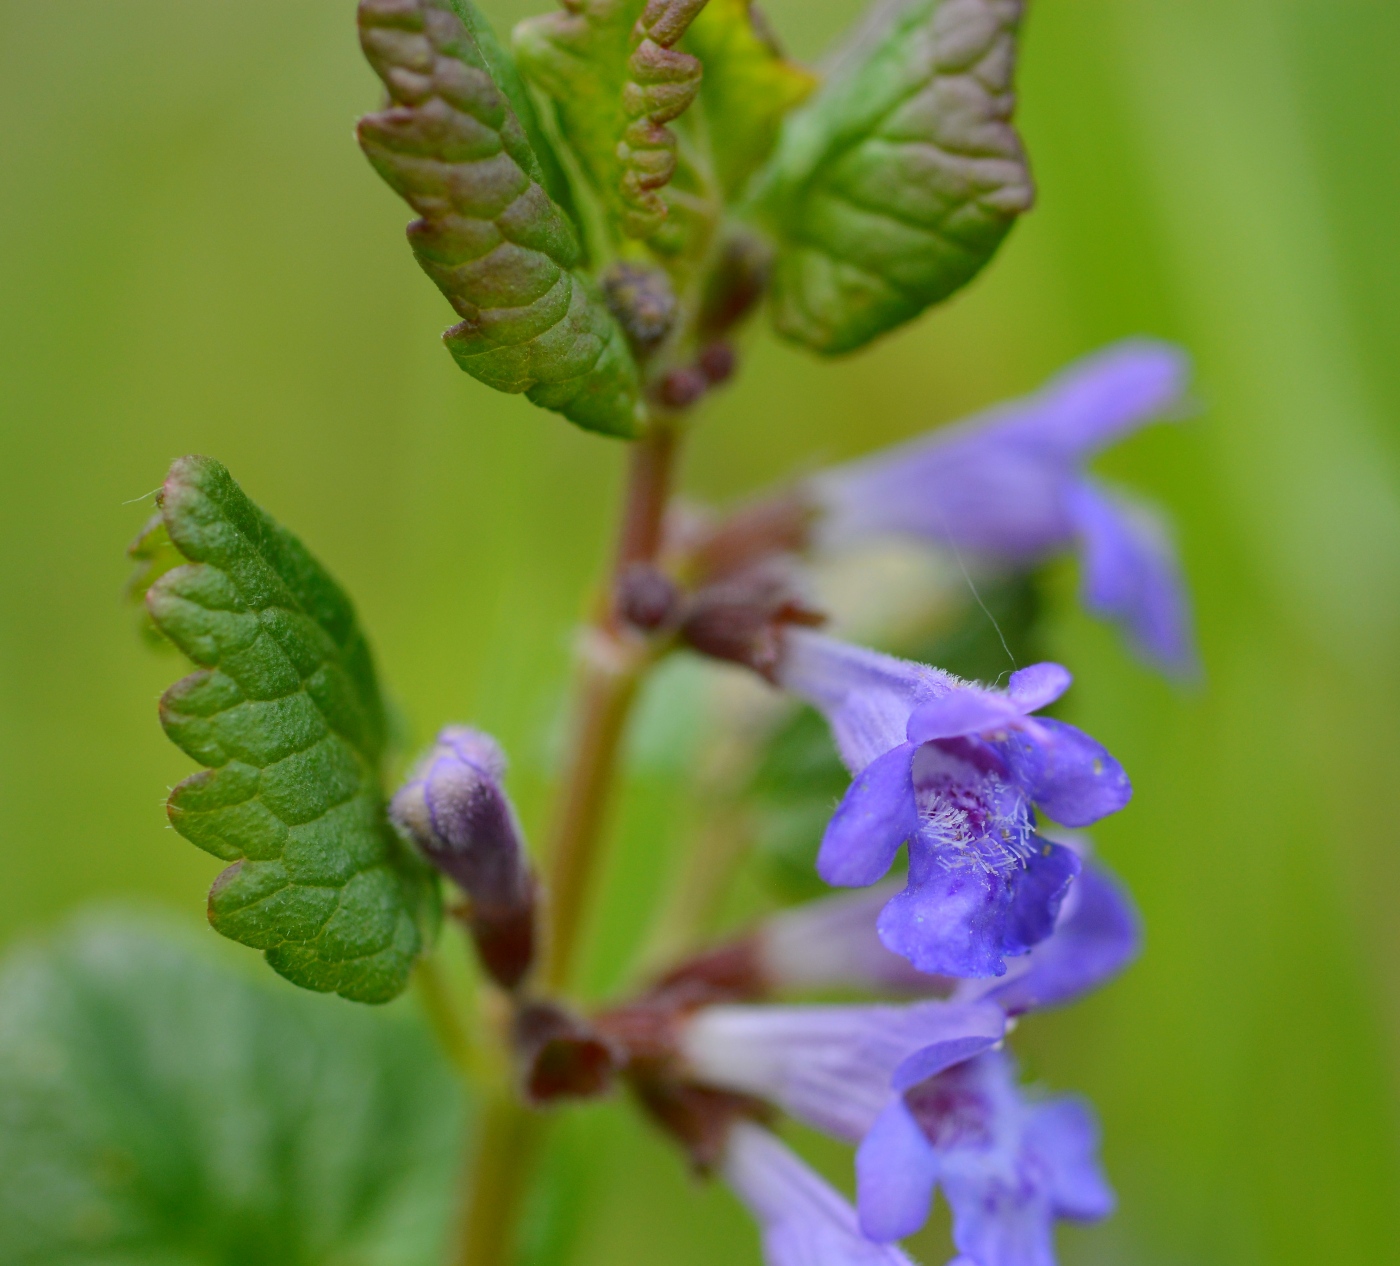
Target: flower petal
{"x": 1100, "y": 398}
{"x": 1131, "y": 575}
{"x": 949, "y": 922}
{"x": 831, "y": 943}
{"x": 1000, "y": 1225}
{"x": 993, "y": 485}
{"x": 896, "y": 1168}
{"x": 1064, "y": 1135}
{"x": 940, "y": 1056}
{"x": 877, "y": 814}
{"x": 1097, "y": 935}
{"x": 865, "y": 697}
{"x": 829, "y": 1066}
{"x": 1033, "y": 687}
{"x": 966, "y": 710}
{"x": 1038, "y": 892}
{"x": 805, "y": 1222}
{"x": 1070, "y": 776}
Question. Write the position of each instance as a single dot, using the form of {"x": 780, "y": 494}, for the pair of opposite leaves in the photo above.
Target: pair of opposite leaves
{"x": 881, "y": 194}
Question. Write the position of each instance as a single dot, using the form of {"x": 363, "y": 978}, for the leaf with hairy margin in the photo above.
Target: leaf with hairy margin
{"x": 616, "y": 80}
{"x": 897, "y": 182}
{"x": 503, "y": 252}
{"x": 748, "y": 89}
{"x": 286, "y": 716}
{"x": 160, "y": 1108}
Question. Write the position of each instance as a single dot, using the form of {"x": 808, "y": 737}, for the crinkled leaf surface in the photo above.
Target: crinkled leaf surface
{"x": 748, "y": 88}
{"x": 158, "y": 1108}
{"x": 286, "y": 716}
{"x": 503, "y": 70}
{"x": 503, "y": 252}
{"x": 616, "y": 80}
{"x": 897, "y": 182}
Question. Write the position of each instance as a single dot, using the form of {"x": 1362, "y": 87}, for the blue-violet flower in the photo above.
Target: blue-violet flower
{"x": 954, "y": 770}
{"x": 1009, "y": 487}
{"x": 1009, "y": 1167}
{"x": 804, "y": 1222}
{"x": 832, "y": 1066}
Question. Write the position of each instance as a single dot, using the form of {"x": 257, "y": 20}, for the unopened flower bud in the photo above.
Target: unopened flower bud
{"x": 642, "y": 301}
{"x": 647, "y": 598}
{"x": 717, "y": 362}
{"x": 737, "y": 283}
{"x": 455, "y": 809}
{"x": 682, "y": 387}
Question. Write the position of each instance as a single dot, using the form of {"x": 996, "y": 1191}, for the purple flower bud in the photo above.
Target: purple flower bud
{"x": 718, "y": 362}
{"x": 682, "y": 387}
{"x": 647, "y": 598}
{"x": 802, "y": 1219}
{"x": 643, "y": 302}
{"x": 456, "y": 811}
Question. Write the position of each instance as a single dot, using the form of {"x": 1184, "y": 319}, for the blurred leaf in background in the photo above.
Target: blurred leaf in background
{"x": 158, "y": 1106}
{"x": 198, "y": 259}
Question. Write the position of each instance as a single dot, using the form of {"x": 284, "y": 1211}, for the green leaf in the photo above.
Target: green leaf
{"x": 498, "y": 246}
{"x": 897, "y": 182}
{"x": 616, "y": 80}
{"x": 158, "y": 1108}
{"x": 285, "y": 714}
{"x": 502, "y": 68}
{"x": 748, "y": 89}
{"x": 152, "y": 554}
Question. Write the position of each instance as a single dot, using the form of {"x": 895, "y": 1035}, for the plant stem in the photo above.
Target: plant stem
{"x": 614, "y": 661}
{"x": 445, "y": 1016}
{"x": 499, "y": 1179}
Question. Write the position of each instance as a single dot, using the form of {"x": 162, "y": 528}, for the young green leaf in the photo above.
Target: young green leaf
{"x": 152, "y": 554}
{"x": 616, "y": 81}
{"x": 501, "y": 67}
{"x": 749, "y": 86}
{"x": 285, "y": 715}
{"x": 897, "y": 182}
{"x": 499, "y": 247}
{"x": 157, "y": 1107}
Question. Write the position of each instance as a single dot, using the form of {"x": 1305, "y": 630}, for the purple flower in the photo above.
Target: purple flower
{"x": 1008, "y": 1167}
{"x": 455, "y": 809}
{"x": 833, "y": 943}
{"x": 954, "y": 770}
{"x": 1009, "y": 487}
{"x": 833, "y": 1066}
{"x": 1097, "y": 935}
{"x": 804, "y": 1222}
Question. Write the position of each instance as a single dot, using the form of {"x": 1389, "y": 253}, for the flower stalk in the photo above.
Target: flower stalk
{"x": 615, "y": 659}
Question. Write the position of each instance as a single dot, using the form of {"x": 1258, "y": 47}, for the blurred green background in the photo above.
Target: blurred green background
{"x": 197, "y": 259}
